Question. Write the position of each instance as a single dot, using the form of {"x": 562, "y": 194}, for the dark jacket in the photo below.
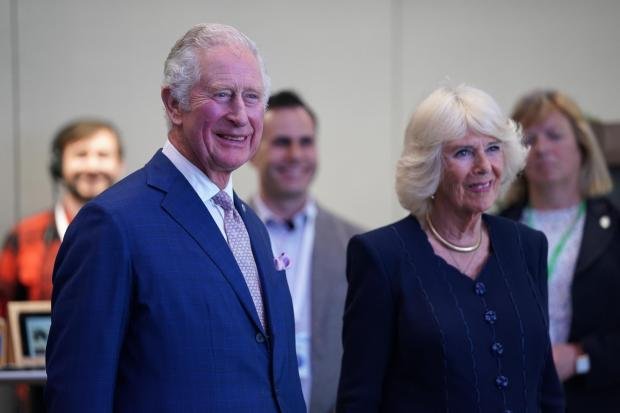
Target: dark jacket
{"x": 151, "y": 313}
{"x": 596, "y": 309}
{"x": 419, "y": 336}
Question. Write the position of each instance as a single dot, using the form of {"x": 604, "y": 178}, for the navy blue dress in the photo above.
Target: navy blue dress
{"x": 419, "y": 336}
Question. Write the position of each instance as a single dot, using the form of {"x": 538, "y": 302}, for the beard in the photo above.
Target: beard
{"x": 72, "y": 187}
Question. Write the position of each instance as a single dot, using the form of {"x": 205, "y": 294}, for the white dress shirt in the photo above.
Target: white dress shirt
{"x": 60, "y": 217}
{"x": 200, "y": 182}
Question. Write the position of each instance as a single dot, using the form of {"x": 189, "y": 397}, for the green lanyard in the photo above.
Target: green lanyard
{"x": 555, "y": 254}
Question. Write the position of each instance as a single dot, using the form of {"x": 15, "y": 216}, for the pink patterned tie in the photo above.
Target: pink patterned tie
{"x": 239, "y": 243}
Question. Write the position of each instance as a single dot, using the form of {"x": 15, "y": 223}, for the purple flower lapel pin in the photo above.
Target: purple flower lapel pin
{"x": 282, "y": 262}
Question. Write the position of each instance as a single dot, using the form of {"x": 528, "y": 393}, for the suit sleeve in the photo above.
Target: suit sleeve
{"x": 551, "y": 393}
{"x": 368, "y": 330}
{"x": 90, "y": 305}
{"x": 603, "y": 344}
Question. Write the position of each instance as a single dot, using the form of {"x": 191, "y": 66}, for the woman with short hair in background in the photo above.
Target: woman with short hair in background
{"x": 562, "y": 193}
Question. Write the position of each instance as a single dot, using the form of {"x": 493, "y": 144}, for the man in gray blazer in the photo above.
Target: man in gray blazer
{"x": 312, "y": 239}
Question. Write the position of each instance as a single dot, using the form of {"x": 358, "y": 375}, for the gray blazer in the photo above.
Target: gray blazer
{"x": 329, "y": 289}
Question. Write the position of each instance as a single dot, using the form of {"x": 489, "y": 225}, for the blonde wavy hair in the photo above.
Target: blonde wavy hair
{"x": 447, "y": 114}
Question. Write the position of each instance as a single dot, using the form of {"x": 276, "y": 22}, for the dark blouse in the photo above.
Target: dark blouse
{"x": 419, "y": 336}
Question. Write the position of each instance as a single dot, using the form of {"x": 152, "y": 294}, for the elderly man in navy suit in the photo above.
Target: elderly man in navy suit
{"x": 166, "y": 296}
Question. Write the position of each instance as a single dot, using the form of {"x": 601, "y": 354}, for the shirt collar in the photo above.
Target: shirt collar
{"x": 269, "y": 217}
{"x": 61, "y": 219}
{"x": 204, "y": 187}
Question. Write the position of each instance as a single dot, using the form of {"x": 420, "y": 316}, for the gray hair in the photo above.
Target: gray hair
{"x": 447, "y": 114}
{"x": 182, "y": 66}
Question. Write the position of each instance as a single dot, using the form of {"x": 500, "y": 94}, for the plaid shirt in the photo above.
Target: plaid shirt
{"x": 27, "y": 260}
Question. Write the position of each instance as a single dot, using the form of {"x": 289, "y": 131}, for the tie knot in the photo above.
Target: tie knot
{"x": 222, "y": 200}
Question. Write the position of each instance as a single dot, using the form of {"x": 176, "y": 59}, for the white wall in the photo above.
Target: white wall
{"x": 7, "y": 168}
{"x": 362, "y": 64}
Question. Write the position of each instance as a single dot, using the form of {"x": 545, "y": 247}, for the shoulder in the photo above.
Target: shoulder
{"x": 31, "y": 230}
{"x": 505, "y": 226}
{"x": 145, "y": 186}
{"x": 38, "y": 220}
{"x": 386, "y": 249}
{"x": 34, "y": 224}
{"x": 601, "y": 232}
{"x": 602, "y": 206}
{"x": 130, "y": 197}
{"x": 397, "y": 234}
{"x": 126, "y": 204}
{"x": 128, "y": 191}
{"x": 516, "y": 244}
{"x": 512, "y": 236}
{"x": 328, "y": 220}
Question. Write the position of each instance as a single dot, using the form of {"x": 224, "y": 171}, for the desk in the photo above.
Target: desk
{"x": 22, "y": 376}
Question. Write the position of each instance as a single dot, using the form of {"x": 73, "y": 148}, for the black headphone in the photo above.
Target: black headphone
{"x": 55, "y": 166}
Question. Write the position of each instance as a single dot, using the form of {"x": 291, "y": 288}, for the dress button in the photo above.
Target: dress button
{"x": 480, "y": 288}
{"x": 501, "y": 382}
{"x": 260, "y": 338}
{"x": 490, "y": 316}
{"x": 497, "y": 348}
{"x": 507, "y": 411}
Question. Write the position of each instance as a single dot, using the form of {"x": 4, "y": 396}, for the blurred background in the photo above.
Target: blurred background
{"x": 363, "y": 65}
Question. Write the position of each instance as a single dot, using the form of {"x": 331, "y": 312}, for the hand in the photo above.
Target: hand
{"x": 564, "y": 357}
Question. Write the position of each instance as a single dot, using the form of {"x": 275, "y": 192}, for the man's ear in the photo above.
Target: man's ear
{"x": 173, "y": 108}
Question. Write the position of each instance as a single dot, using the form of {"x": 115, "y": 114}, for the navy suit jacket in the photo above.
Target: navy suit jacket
{"x": 419, "y": 336}
{"x": 150, "y": 312}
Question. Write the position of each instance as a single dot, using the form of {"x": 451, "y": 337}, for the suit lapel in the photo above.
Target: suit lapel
{"x": 322, "y": 304}
{"x": 186, "y": 208}
{"x": 593, "y": 229}
{"x": 319, "y": 295}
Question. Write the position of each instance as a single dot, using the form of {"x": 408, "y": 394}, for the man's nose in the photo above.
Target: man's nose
{"x": 294, "y": 150}
{"x": 238, "y": 112}
{"x": 92, "y": 163}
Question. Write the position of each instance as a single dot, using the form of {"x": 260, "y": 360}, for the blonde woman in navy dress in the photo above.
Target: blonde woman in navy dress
{"x": 562, "y": 193}
{"x": 446, "y": 309}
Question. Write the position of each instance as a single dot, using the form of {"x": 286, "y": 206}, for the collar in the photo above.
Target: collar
{"x": 204, "y": 187}
{"x": 61, "y": 220}
{"x": 266, "y": 215}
